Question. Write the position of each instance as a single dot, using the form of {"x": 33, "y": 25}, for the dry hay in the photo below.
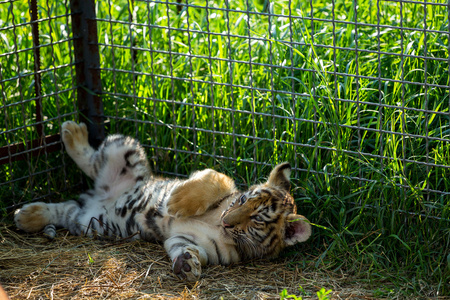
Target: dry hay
{"x": 31, "y": 267}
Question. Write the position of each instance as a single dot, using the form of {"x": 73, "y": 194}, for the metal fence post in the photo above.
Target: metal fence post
{"x": 87, "y": 61}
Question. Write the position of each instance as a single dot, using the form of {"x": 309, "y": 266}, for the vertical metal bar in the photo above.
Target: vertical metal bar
{"x": 37, "y": 67}
{"x": 358, "y": 100}
{"x": 425, "y": 80}
{"x": 335, "y": 94}
{"x": 448, "y": 52}
{"x": 211, "y": 85}
{"x": 133, "y": 55}
{"x": 72, "y": 75}
{"x": 230, "y": 66}
{"x": 380, "y": 98}
{"x": 113, "y": 56}
{"x": 172, "y": 88}
{"x": 402, "y": 76}
{"x": 191, "y": 85}
{"x": 252, "y": 96}
{"x": 272, "y": 88}
{"x": 150, "y": 22}
{"x": 87, "y": 60}
{"x": 294, "y": 99}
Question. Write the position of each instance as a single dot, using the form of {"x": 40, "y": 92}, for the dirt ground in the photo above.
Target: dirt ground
{"x": 32, "y": 267}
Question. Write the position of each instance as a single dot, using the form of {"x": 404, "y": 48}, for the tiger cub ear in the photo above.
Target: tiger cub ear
{"x": 280, "y": 176}
{"x": 297, "y": 229}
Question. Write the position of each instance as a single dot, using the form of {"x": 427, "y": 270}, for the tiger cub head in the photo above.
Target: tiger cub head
{"x": 263, "y": 220}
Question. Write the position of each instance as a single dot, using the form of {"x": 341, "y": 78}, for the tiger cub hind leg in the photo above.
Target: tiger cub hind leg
{"x": 203, "y": 190}
{"x": 34, "y": 217}
{"x": 116, "y": 166}
{"x": 75, "y": 138}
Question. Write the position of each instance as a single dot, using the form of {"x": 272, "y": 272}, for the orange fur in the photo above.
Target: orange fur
{"x": 32, "y": 218}
{"x": 74, "y": 134}
{"x": 201, "y": 191}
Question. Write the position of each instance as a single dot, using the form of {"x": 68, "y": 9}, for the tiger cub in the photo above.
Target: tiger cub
{"x": 202, "y": 220}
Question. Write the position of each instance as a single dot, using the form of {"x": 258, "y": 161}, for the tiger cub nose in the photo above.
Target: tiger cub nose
{"x": 227, "y": 225}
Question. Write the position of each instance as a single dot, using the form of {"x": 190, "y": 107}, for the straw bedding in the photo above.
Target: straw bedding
{"x": 70, "y": 267}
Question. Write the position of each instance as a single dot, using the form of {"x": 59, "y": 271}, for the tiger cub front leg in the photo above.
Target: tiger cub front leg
{"x": 187, "y": 265}
{"x": 75, "y": 138}
{"x": 201, "y": 191}
{"x": 187, "y": 257}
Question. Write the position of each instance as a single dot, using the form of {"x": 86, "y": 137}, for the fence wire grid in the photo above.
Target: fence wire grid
{"x": 355, "y": 94}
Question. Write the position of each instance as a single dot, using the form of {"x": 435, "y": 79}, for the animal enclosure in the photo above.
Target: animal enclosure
{"x": 354, "y": 94}
{"x": 355, "y": 101}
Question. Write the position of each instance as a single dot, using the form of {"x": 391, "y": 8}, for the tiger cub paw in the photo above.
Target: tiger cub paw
{"x": 32, "y": 217}
{"x": 74, "y": 135}
{"x": 187, "y": 266}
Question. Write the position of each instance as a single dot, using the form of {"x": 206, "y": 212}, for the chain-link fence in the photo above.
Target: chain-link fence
{"x": 355, "y": 94}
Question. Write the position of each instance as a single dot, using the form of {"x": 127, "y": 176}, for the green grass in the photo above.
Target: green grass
{"x": 322, "y": 294}
{"x": 385, "y": 228}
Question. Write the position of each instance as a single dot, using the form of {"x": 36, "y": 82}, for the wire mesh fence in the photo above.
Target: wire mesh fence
{"x": 37, "y": 92}
{"x": 354, "y": 94}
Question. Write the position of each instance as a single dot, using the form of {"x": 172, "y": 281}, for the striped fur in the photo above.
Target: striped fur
{"x": 202, "y": 220}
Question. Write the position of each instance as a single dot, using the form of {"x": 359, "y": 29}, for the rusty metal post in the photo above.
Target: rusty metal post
{"x": 87, "y": 64}
{"x": 37, "y": 67}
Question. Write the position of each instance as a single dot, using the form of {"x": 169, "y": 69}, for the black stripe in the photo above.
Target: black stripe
{"x": 218, "y": 203}
{"x": 102, "y": 157}
{"x": 73, "y": 225}
{"x": 114, "y": 229}
{"x": 131, "y": 203}
{"x": 124, "y": 171}
{"x": 265, "y": 215}
{"x": 151, "y": 224}
{"x": 266, "y": 191}
{"x": 124, "y": 211}
{"x": 143, "y": 203}
{"x": 274, "y": 220}
{"x": 130, "y": 225}
{"x": 261, "y": 237}
{"x": 127, "y": 156}
{"x": 186, "y": 239}
{"x": 106, "y": 229}
{"x": 272, "y": 241}
{"x": 284, "y": 166}
{"x": 169, "y": 224}
{"x": 219, "y": 254}
{"x": 70, "y": 211}
{"x": 95, "y": 168}
{"x": 273, "y": 206}
{"x": 120, "y": 231}
{"x": 176, "y": 246}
